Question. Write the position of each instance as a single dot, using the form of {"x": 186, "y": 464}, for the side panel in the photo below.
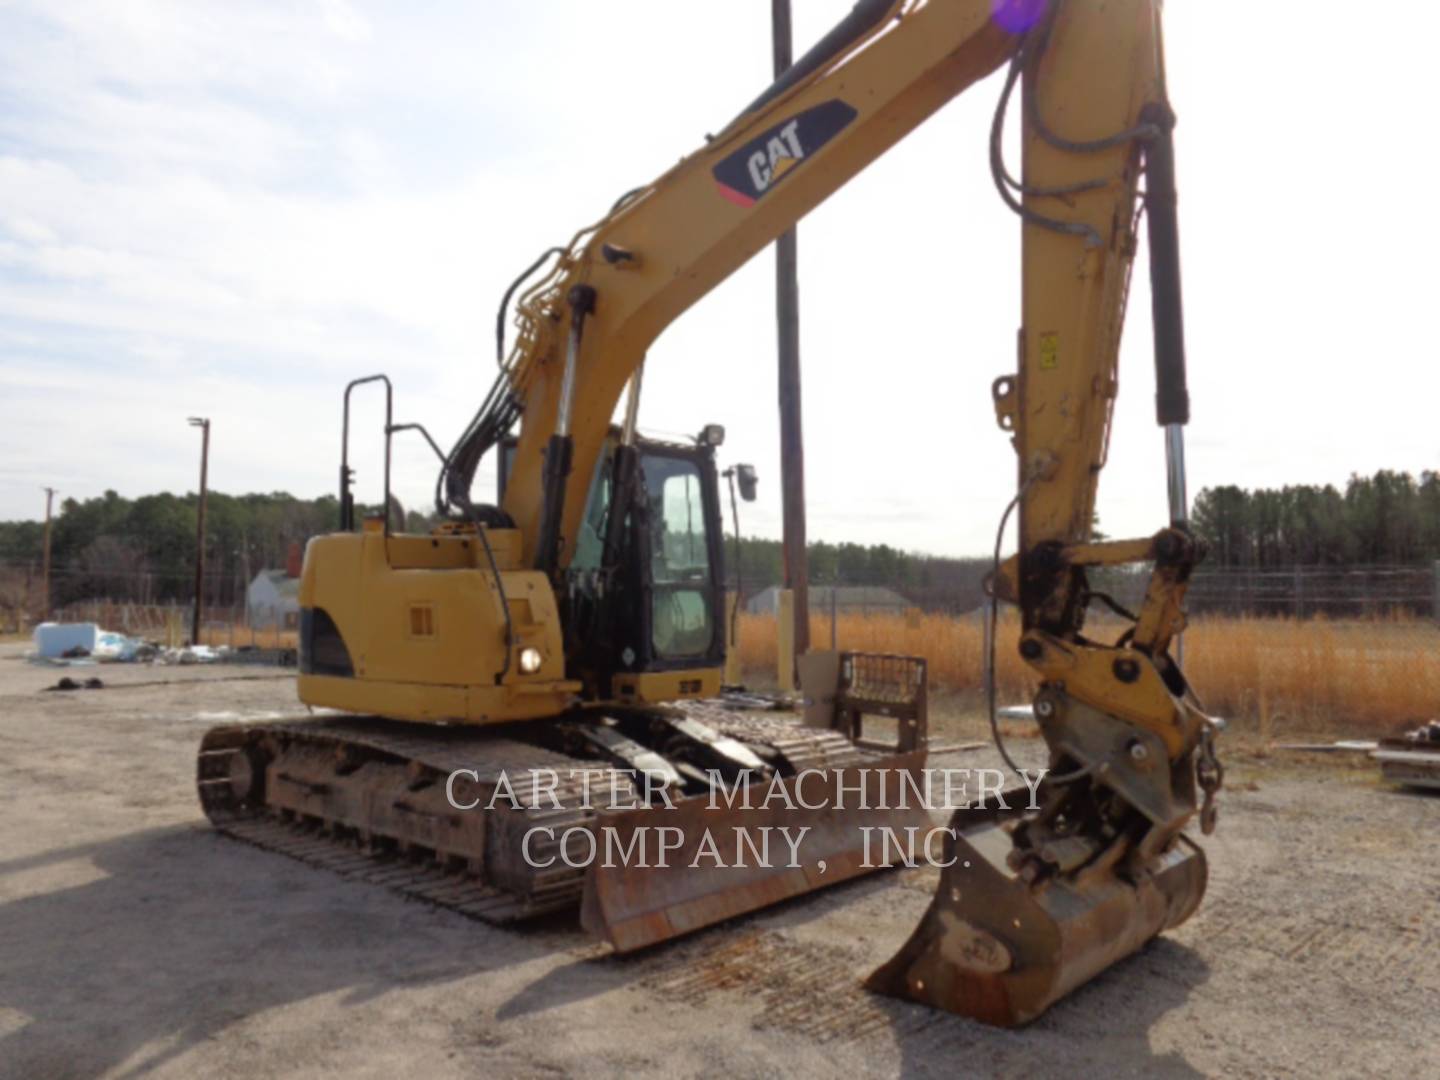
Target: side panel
{"x": 430, "y": 643}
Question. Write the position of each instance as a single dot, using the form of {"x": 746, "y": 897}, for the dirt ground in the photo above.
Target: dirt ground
{"x": 135, "y": 941}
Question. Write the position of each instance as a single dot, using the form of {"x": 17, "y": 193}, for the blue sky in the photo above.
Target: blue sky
{"x": 230, "y": 209}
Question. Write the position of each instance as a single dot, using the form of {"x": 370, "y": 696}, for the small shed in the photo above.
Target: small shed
{"x": 273, "y": 599}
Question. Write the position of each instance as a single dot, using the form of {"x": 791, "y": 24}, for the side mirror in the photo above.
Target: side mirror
{"x": 746, "y": 478}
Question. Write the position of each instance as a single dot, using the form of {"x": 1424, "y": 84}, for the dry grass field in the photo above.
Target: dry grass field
{"x": 1373, "y": 676}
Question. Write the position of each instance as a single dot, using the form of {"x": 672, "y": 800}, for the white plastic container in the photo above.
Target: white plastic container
{"x": 56, "y": 639}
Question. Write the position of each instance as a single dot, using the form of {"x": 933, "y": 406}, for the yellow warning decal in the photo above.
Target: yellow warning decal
{"x": 1049, "y": 352}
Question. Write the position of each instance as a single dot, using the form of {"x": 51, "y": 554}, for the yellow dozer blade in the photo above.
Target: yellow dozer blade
{"x": 723, "y": 859}
{"x": 733, "y": 853}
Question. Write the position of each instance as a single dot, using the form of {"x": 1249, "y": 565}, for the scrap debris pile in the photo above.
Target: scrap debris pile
{"x": 67, "y": 644}
{"x": 1412, "y": 759}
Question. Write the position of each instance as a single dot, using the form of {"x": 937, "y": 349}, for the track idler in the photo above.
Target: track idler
{"x": 1001, "y": 949}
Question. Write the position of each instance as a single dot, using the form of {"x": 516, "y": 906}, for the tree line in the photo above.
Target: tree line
{"x": 1388, "y": 518}
{"x": 143, "y": 550}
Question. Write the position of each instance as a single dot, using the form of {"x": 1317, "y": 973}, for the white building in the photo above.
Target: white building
{"x": 862, "y": 599}
{"x": 273, "y": 599}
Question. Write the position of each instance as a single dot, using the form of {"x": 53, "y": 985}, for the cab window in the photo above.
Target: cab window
{"x": 679, "y": 558}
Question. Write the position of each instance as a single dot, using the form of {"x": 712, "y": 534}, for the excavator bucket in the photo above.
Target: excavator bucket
{"x": 1002, "y": 951}
{"x": 836, "y": 818}
{"x": 724, "y": 858}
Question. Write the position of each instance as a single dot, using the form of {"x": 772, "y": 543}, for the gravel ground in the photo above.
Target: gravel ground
{"x": 134, "y": 940}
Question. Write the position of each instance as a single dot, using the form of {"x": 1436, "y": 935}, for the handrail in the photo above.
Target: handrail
{"x": 347, "y": 501}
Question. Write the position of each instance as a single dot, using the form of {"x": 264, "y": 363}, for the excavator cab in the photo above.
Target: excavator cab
{"x": 643, "y": 592}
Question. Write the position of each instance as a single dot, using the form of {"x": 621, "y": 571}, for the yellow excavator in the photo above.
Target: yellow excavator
{"x": 575, "y": 631}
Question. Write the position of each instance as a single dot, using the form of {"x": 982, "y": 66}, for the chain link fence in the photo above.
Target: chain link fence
{"x": 1352, "y": 649}
{"x": 141, "y": 603}
{"x": 1341, "y": 592}
{"x": 1357, "y": 592}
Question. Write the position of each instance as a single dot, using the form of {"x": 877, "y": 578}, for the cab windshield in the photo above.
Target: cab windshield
{"x": 679, "y": 558}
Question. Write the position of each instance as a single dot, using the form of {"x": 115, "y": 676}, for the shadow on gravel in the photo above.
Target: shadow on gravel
{"x": 189, "y": 933}
{"x": 1398, "y": 795}
{"x": 565, "y": 985}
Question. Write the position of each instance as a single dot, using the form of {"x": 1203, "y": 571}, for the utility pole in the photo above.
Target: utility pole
{"x": 203, "y": 423}
{"x": 792, "y": 441}
{"x": 45, "y": 573}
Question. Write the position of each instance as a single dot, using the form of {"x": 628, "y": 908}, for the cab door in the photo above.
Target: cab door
{"x": 679, "y": 552}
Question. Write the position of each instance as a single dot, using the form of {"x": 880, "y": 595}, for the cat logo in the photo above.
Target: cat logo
{"x": 779, "y": 157}
{"x": 747, "y": 174}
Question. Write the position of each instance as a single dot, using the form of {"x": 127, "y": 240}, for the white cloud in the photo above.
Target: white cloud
{"x": 344, "y": 21}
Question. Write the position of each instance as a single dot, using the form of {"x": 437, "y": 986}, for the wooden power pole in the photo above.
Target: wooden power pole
{"x": 792, "y": 441}
{"x": 45, "y": 572}
{"x": 203, "y": 424}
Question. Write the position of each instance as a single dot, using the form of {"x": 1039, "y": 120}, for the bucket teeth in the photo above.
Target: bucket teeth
{"x": 1000, "y": 949}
